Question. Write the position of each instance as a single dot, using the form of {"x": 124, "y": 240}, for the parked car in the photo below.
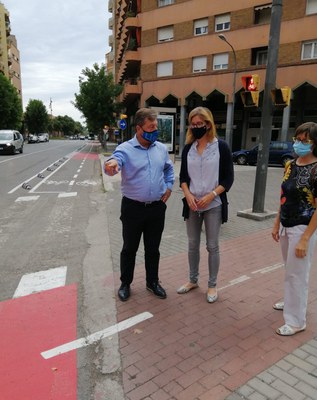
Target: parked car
{"x": 33, "y": 139}
{"x": 11, "y": 141}
{"x": 43, "y": 137}
{"x": 279, "y": 153}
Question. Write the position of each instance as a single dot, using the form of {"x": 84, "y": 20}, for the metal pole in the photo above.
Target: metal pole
{"x": 229, "y": 130}
{"x": 267, "y": 108}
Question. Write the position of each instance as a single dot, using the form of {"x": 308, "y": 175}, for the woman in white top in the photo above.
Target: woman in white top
{"x": 206, "y": 175}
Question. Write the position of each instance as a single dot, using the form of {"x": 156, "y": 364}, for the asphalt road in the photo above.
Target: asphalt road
{"x": 52, "y": 218}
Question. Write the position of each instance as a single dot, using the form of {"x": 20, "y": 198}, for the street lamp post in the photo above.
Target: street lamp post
{"x": 230, "y": 111}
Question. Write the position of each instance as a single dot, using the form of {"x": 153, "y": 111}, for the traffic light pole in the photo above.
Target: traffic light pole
{"x": 230, "y": 109}
{"x": 267, "y": 108}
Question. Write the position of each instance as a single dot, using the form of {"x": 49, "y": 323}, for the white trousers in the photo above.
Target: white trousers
{"x": 297, "y": 271}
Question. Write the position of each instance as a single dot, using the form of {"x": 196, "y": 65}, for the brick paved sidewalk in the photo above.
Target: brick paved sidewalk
{"x": 192, "y": 350}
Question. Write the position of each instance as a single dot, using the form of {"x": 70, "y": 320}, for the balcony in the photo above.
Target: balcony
{"x": 130, "y": 62}
{"x": 132, "y": 89}
{"x": 110, "y": 23}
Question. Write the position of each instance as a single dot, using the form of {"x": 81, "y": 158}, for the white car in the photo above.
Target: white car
{"x": 11, "y": 141}
{"x": 43, "y": 137}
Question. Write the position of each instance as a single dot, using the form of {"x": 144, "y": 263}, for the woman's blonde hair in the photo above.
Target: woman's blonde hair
{"x": 207, "y": 116}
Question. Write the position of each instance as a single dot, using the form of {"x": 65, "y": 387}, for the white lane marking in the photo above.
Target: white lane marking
{"x": 240, "y": 279}
{"x": 34, "y": 176}
{"x": 67, "y": 194}
{"x": 75, "y": 176}
{"x": 71, "y": 183}
{"x": 87, "y": 182}
{"x": 95, "y": 337}
{"x": 53, "y": 172}
{"x": 269, "y": 269}
{"x": 29, "y": 198}
{"x": 42, "y": 280}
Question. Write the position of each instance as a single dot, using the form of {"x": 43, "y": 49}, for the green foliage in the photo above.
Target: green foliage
{"x": 96, "y": 98}
{"x": 10, "y": 105}
{"x": 66, "y": 125}
{"x": 36, "y": 116}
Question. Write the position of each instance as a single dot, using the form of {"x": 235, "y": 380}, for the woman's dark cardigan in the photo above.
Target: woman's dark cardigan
{"x": 226, "y": 174}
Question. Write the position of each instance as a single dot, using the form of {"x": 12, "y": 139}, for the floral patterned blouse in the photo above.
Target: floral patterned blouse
{"x": 298, "y": 193}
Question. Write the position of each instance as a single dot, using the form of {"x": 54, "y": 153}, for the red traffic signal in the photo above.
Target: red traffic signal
{"x": 250, "y": 82}
{"x": 250, "y": 95}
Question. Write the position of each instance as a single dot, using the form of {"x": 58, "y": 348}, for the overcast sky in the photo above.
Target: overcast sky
{"x": 57, "y": 40}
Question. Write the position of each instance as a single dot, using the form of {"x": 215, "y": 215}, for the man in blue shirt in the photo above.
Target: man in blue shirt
{"x": 147, "y": 178}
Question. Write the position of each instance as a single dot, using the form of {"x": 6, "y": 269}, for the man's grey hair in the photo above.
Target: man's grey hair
{"x": 144, "y": 113}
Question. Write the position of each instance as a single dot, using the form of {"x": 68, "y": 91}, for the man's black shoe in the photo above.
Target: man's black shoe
{"x": 157, "y": 289}
{"x": 124, "y": 292}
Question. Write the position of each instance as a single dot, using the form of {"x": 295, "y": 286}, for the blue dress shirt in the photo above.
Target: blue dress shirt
{"x": 146, "y": 173}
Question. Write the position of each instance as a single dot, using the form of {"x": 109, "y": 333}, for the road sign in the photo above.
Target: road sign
{"x": 122, "y": 124}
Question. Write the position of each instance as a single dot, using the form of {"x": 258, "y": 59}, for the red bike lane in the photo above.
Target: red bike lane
{"x": 30, "y": 325}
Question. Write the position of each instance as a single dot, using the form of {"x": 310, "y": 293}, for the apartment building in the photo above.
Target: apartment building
{"x": 9, "y": 53}
{"x": 168, "y": 55}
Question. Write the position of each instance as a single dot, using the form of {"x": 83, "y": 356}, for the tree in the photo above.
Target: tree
{"x": 10, "y": 105}
{"x": 96, "y": 98}
{"x": 67, "y": 124}
{"x": 36, "y": 116}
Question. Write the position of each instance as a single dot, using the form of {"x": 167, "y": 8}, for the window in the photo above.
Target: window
{"x": 309, "y": 50}
{"x": 164, "y": 68}
{"x": 222, "y": 22}
{"x": 200, "y": 64}
{"x": 220, "y": 61}
{"x": 165, "y": 34}
{"x": 311, "y": 7}
{"x": 259, "y": 56}
{"x": 201, "y": 26}
{"x": 262, "y": 14}
{"x": 162, "y": 3}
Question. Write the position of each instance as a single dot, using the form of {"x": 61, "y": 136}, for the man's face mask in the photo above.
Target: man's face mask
{"x": 150, "y": 136}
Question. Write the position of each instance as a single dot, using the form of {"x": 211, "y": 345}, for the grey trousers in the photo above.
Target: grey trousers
{"x": 212, "y": 222}
{"x": 296, "y": 281}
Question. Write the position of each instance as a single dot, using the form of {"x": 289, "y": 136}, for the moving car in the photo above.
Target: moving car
{"x": 11, "y": 141}
{"x": 43, "y": 137}
{"x": 279, "y": 153}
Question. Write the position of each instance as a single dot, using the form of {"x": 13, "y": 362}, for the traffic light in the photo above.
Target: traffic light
{"x": 250, "y": 95}
{"x": 281, "y": 96}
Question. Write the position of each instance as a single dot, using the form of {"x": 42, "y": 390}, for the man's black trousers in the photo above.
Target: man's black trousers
{"x": 141, "y": 218}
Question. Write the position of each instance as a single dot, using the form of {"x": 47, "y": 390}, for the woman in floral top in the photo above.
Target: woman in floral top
{"x": 295, "y": 228}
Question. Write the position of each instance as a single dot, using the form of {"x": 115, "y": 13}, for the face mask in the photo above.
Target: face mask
{"x": 198, "y": 133}
{"x": 150, "y": 136}
{"x": 302, "y": 149}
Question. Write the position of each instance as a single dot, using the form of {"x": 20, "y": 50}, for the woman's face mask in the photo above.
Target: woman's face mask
{"x": 301, "y": 149}
{"x": 199, "y": 132}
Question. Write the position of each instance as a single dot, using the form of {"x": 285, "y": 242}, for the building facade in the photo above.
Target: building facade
{"x": 168, "y": 54}
{"x": 9, "y": 53}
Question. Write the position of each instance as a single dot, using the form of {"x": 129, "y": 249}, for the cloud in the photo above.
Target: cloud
{"x": 57, "y": 40}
